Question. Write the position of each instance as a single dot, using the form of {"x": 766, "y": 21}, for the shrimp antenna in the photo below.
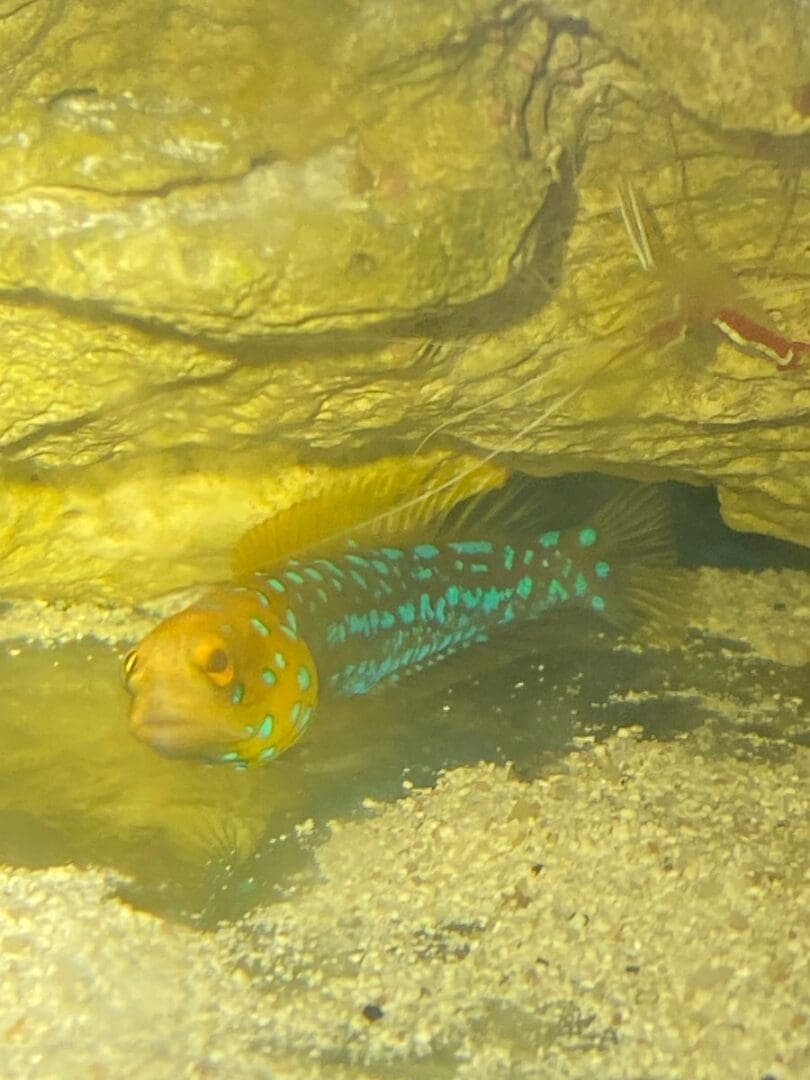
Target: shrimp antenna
{"x": 633, "y": 218}
{"x": 471, "y": 410}
{"x": 455, "y": 481}
{"x": 686, "y": 192}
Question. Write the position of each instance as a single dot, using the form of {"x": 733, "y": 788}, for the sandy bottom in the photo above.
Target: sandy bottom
{"x": 639, "y": 909}
{"x": 642, "y": 912}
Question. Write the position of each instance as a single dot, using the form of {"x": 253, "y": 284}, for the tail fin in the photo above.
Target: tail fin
{"x": 632, "y": 542}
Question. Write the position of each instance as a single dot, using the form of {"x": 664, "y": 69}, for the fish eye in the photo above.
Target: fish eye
{"x": 215, "y": 662}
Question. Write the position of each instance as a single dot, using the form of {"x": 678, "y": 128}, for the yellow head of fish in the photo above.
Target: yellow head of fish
{"x": 228, "y": 679}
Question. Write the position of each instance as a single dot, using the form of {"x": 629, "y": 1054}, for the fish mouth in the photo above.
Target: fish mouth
{"x": 176, "y": 736}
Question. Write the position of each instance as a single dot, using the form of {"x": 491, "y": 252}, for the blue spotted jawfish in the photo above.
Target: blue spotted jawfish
{"x": 237, "y": 676}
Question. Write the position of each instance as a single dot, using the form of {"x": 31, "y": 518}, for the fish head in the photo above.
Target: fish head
{"x": 226, "y": 680}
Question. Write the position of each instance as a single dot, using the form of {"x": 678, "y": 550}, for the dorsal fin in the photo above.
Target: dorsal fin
{"x": 512, "y": 509}
{"x": 397, "y": 497}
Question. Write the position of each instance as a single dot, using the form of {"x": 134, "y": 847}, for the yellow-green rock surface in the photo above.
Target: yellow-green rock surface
{"x": 235, "y": 236}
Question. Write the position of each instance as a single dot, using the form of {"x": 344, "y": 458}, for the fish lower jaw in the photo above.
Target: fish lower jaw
{"x": 178, "y": 737}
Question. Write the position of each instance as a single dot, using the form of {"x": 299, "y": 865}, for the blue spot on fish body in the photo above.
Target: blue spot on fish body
{"x": 276, "y": 585}
{"x": 294, "y": 577}
{"x": 453, "y": 595}
{"x": 268, "y": 676}
{"x": 471, "y": 598}
{"x": 549, "y": 539}
{"x": 304, "y": 678}
{"x": 557, "y": 591}
{"x": 598, "y": 603}
{"x": 359, "y": 624}
{"x": 587, "y": 537}
{"x": 281, "y": 661}
{"x": 602, "y": 569}
{"x": 268, "y": 753}
{"x": 528, "y": 555}
{"x": 407, "y": 613}
{"x": 426, "y": 551}
{"x": 422, "y": 573}
{"x": 332, "y": 567}
{"x": 493, "y": 597}
{"x": 524, "y": 588}
{"x": 508, "y": 557}
{"x": 580, "y": 585}
{"x": 238, "y": 693}
{"x": 392, "y": 553}
{"x": 471, "y": 547}
{"x": 266, "y": 727}
{"x": 258, "y": 625}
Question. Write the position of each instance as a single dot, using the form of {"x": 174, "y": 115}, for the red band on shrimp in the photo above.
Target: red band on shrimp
{"x": 751, "y": 335}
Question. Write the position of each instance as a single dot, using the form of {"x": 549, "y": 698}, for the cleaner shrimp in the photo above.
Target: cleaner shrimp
{"x": 704, "y": 293}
